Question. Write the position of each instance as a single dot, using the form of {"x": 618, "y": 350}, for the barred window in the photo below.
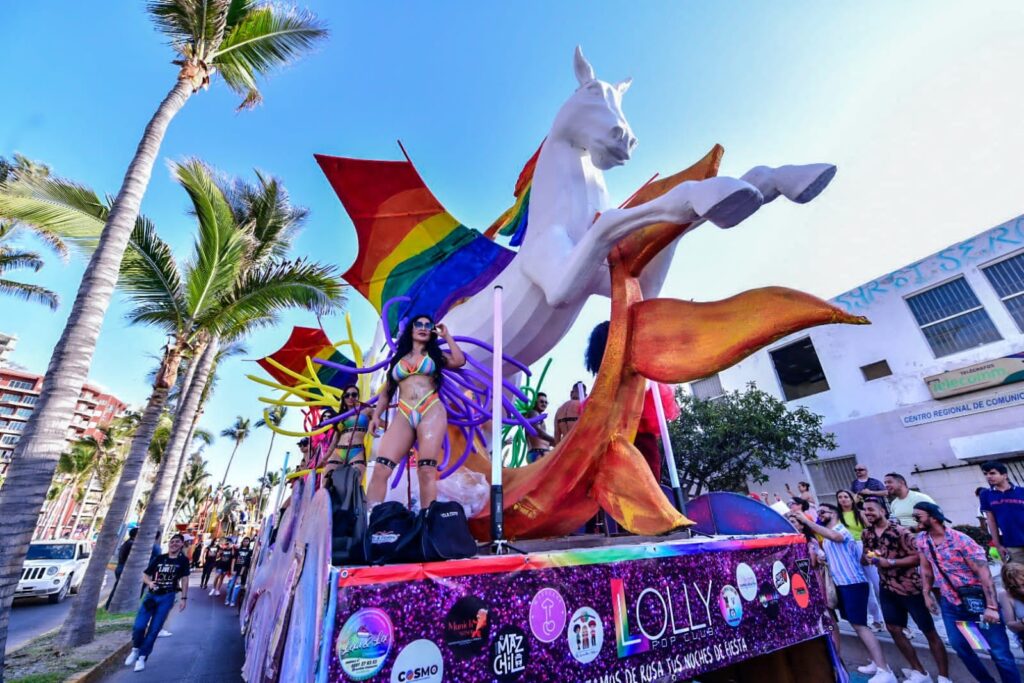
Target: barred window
{"x": 1007, "y": 278}
{"x": 21, "y": 384}
{"x": 830, "y": 475}
{"x": 952, "y": 319}
{"x": 9, "y": 439}
{"x": 707, "y": 388}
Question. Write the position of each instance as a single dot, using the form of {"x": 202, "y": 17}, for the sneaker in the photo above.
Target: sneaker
{"x": 132, "y": 656}
{"x": 164, "y": 633}
{"x": 212, "y": 590}
{"x": 883, "y": 676}
{"x": 942, "y": 679}
{"x": 140, "y": 664}
{"x": 231, "y": 604}
{"x": 216, "y": 592}
{"x": 870, "y": 668}
{"x": 915, "y": 676}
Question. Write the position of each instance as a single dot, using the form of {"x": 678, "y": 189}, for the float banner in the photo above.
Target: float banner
{"x": 622, "y": 614}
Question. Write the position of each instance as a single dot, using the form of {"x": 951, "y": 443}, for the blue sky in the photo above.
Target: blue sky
{"x": 917, "y": 102}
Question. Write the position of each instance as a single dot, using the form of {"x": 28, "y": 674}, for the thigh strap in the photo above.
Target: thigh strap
{"x": 387, "y": 463}
{"x": 426, "y": 463}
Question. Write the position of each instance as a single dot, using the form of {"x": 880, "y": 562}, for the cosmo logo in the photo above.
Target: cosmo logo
{"x": 384, "y": 537}
{"x": 418, "y": 662}
{"x": 448, "y": 515}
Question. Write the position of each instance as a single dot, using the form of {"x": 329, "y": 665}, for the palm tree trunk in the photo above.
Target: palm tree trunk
{"x": 35, "y": 458}
{"x": 263, "y": 479}
{"x": 80, "y": 625}
{"x": 228, "y": 468}
{"x": 126, "y": 597}
{"x": 178, "y": 475}
{"x": 65, "y": 510}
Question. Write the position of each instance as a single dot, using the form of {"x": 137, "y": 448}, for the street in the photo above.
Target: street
{"x": 206, "y": 646}
{"x": 31, "y": 617}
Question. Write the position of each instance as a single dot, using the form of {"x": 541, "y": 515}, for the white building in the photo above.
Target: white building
{"x": 932, "y": 388}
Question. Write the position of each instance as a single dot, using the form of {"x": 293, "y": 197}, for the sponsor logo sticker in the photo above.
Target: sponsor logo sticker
{"x": 800, "y": 592}
{"x": 731, "y": 605}
{"x": 768, "y": 598}
{"x": 364, "y": 643}
{"x": 781, "y": 578}
{"x": 467, "y": 626}
{"x": 585, "y": 635}
{"x": 746, "y": 581}
{"x": 510, "y": 653}
{"x": 547, "y": 615}
{"x": 419, "y": 662}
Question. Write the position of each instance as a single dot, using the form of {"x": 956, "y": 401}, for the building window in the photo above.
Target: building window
{"x": 21, "y": 384}
{"x": 25, "y": 400}
{"x": 16, "y": 426}
{"x": 875, "y": 370}
{"x": 799, "y": 370}
{"x": 707, "y": 388}
{"x": 1007, "y": 278}
{"x": 828, "y": 476}
{"x": 952, "y": 318}
{"x": 9, "y": 439}
{"x": 6, "y": 410}
{"x": 23, "y": 412}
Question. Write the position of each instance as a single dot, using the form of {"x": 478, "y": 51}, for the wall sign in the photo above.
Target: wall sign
{"x": 996, "y": 401}
{"x": 993, "y": 373}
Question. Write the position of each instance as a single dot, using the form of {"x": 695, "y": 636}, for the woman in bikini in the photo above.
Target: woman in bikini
{"x": 415, "y": 372}
{"x": 347, "y": 447}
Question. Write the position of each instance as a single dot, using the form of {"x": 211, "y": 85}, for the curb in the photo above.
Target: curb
{"x": 95, "y": 673}
{"x": 28, "y": 643}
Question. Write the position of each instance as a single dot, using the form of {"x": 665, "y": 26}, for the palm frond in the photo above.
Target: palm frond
{"x": 260, "y": 39}
{"x": 275, "y": 287}
{"x": 30, "y": 293}
{"x": 203, "y": 435}
{"x": 57, "y": 209}
{"x": 195, "y": 27}
{"x": 274, "y": 219}
{"x": 220, "y": 247}
{"x": 16, "y": 260}
{"x": 150, "y": 276}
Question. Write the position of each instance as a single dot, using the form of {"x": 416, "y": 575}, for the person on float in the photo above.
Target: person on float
{"x": 569, "y": 412}
{"x": 538, "y": 445}
{"x": 415, "y": 373}
{"x": 347, "y": 445}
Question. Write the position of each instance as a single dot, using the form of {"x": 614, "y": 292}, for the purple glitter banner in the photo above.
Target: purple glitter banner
{"x": 629, "y": 614}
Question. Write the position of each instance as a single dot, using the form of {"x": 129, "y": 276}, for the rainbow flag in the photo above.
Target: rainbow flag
{"x": 409, "y": 245}
{"x": 972, "y": 634}
{"x": 515, "y": 219}
{"x": 309, "y": 342}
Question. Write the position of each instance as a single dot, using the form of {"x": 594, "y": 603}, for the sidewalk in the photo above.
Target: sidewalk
{"x": 206, "y": 646}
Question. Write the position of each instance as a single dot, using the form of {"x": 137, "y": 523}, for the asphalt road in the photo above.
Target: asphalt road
{"x": 34, "y": 616}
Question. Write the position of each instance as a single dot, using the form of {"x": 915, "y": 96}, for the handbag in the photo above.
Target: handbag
{"x": 971, "y": 597}
{"x": 445, "y": 534}
{"x": 392, "y": 535}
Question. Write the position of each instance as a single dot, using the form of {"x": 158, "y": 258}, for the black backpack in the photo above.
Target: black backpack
{"x": 392, "y": 535}
{"x": 348, "y": 516}
{"x": 445, "y": 534}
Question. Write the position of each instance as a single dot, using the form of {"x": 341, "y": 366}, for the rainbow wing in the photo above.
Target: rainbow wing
{"x": 515, "y": 219}
{"x": 409, "y": 245}
{"x": 309, "y": 342}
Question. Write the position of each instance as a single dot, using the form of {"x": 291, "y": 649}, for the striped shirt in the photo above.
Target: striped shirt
{"x": 844, "y": 558}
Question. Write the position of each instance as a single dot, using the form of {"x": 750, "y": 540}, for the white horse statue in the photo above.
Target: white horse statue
{"x": 563, "y": 258}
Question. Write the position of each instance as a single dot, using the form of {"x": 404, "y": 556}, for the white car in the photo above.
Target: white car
{"x": 53, "y": 569}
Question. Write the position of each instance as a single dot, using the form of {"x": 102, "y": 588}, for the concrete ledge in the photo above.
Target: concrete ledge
{"x": 98, "y": 670}
{"x": 854, "y": 654}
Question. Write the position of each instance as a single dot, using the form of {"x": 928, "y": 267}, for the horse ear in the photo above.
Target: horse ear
{"x": 623, "y": 86}
{"x": 584, "y": 72}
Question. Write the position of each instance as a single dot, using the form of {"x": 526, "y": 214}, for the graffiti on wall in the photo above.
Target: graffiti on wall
{"x": 999, "y": 240}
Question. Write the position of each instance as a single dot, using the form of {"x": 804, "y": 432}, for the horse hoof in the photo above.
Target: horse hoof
{"x": 735, "y": 208}
{"x": 817, "y": 184}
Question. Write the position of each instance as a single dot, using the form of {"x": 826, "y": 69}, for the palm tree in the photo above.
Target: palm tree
{"x": 238, "y": 432}
{"x": 239, "y": 39}
{"x": 193, "y": 484}
{"x": 268, "y": 482}
{"x": 265, "y": 284}
{"x": 272, "y": 417}
{"x": 16, "y": 259}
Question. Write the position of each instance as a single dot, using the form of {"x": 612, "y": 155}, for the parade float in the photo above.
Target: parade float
{"x": 722, "y": 590}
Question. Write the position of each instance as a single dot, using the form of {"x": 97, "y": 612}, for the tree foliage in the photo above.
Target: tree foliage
{"x": 723, "y": 443}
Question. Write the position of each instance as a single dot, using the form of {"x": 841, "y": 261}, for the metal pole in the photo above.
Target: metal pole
{"x": 497, "y": 496}
{"x": 666, "y": 443}
{"x": 280, "y": 486}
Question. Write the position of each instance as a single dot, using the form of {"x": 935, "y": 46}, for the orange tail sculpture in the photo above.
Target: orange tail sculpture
{"x": 665, "y": 340}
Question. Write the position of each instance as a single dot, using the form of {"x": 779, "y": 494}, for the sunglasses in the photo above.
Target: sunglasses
{"x": 351, "y": 394}
{"x": 421, "y": 325}
{"x": 860, "y": 469}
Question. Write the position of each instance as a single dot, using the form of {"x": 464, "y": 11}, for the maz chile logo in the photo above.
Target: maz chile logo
{"x": 666, "y": 621}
